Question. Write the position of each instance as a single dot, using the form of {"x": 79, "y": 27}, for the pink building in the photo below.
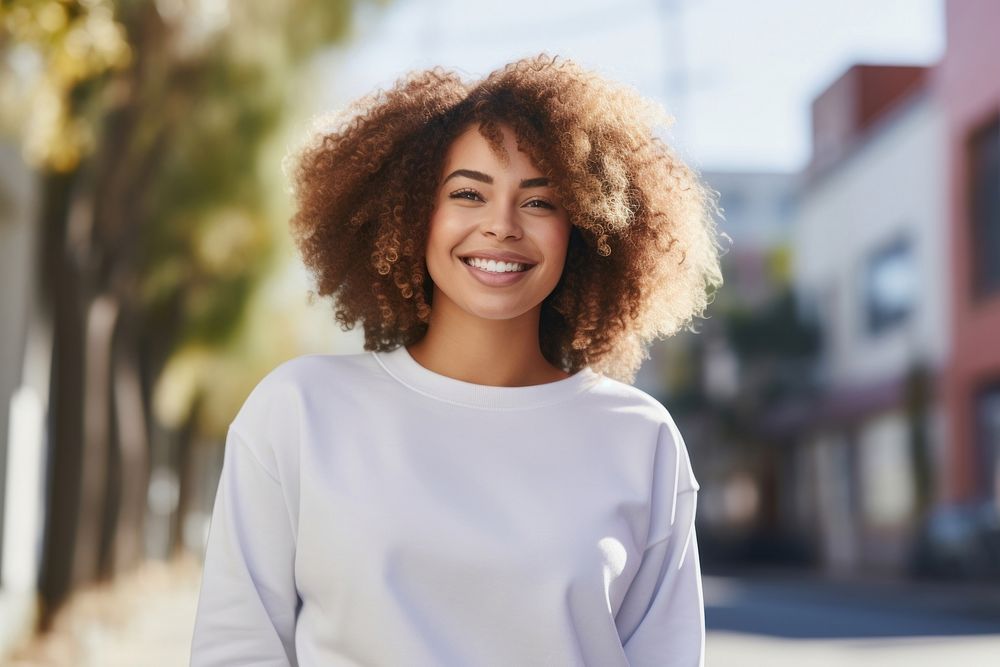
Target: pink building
{"x": 967, "y": 83}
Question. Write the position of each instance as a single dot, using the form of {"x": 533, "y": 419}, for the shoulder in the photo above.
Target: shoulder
{"x": 608, "y": 394}
{"x": 310, "y": 369}
{"x": 279, "y": 407}
{"x": 277, "y": 403}
{"x": 635, "y": 411}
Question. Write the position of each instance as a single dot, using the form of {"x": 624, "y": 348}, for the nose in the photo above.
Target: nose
{"x": 501, "y": 223}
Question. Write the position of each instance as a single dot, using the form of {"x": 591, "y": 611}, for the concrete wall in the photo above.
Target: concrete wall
{"x": 21, "y": 462}
{"x": 894, "y": 186}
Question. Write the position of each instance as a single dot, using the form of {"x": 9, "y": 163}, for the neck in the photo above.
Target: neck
{"x": 500, "y": 353}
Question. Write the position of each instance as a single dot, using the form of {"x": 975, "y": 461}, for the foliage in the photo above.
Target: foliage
{"x": 159, "y": 110}
{"x": 775, "y": 331}
{"x": 67, "y": 49}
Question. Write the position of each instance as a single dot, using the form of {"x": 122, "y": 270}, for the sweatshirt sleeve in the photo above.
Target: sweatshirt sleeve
{"x": 662, "y": 618}
{"x": 248, "y": 602}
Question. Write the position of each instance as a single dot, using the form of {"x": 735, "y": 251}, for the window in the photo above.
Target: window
{"x": 984, "y": 208}
{"x": 889, "y": 285}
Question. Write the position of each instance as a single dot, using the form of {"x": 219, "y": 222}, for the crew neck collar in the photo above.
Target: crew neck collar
{"x": 401, "y": 365}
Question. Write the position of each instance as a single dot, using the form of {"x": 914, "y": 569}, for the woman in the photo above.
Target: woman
{"x": 481, "y": 487}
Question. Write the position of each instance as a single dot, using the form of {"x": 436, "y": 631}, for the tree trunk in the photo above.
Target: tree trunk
{"x": 183, "y": 462}
{"x": 133, "y": 447}
{"x": 60, "y": 285}
{"x": 101, "y": 319}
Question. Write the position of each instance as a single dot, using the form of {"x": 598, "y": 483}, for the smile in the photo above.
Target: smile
{"x": 494, "y": 266}
{"x": 499, "y": 275}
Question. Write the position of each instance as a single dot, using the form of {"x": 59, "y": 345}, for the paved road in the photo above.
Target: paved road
{"x": 775, "y": 621}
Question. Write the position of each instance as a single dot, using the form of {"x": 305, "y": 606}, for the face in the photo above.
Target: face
{"x": 498, "y": 235}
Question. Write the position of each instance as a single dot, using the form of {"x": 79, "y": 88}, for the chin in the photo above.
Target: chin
{"x": 495, "y": 307}
{"x": 497, "y": 313}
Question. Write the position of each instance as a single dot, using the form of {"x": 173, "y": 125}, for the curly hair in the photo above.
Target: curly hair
{"x": 643, "y": 256}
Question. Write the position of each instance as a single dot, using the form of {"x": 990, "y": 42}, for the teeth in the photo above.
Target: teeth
{"x": 494, "y": 266}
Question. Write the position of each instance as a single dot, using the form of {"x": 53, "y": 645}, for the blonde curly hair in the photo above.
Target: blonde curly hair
{"x": 643, "y": 256}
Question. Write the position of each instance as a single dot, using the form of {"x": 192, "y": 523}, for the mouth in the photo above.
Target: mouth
{"x": 493, "y": 266}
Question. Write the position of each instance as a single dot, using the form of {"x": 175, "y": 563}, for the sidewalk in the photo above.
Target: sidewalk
{"x": 729, "y": 649}
{"x": 146, "y": 617}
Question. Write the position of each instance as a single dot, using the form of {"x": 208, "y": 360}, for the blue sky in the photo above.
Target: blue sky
{"x": 738, "y": 74}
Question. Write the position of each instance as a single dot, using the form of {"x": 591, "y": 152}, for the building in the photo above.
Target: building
{"x": 22, "y": 396}
{"x": 870, "y": 265}
{"x": 968, "y": 90}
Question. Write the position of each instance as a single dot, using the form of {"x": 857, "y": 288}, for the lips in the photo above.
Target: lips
{"x": 493, "y": 279}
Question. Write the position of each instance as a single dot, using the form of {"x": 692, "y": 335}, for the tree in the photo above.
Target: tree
{"x": 145, "y": 120}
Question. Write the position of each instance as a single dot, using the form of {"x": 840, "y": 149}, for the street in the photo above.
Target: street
{"x": 783, "y": 620}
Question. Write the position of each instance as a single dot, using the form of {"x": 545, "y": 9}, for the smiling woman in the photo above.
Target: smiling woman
{"x": 642, "y": 259}
{"x": 482, "y": 486}
{"x": 496, "y": 248}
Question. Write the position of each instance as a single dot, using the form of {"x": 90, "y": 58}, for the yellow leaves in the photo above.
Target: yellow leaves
{"x": 220, "y": 246}
{"x": 52, "y": 137}
{"x": 94, "y": 44}
{"x": 76, "y": 42}
{"x": 225, "y": 242}
{"x": 177, "y": 387}
{"x": 51, "y": 17}
{"x": 20, "y": 22}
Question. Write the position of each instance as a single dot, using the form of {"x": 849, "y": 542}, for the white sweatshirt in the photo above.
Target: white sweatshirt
{"x": 374, "y": 513}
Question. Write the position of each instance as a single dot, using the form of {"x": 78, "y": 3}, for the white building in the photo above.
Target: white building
{"x": 21, "y": 411}
{"x": 870, "y": 264}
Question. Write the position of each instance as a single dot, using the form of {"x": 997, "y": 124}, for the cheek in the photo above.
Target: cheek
{"x": 437, "y": 256}
{"x": 557, "y": 242}
{"x": 436, "y": 237}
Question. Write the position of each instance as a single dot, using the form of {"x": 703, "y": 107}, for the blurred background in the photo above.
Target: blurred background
{"x": 841, "y": 403}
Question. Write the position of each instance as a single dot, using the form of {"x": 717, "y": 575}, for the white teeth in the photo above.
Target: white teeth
{"x": 494, "y": 266}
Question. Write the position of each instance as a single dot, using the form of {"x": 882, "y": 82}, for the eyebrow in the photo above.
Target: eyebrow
{"x": 539, "y": 182}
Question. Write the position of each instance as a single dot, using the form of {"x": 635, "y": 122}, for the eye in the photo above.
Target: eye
{"x": 539, "y": 203}
{"x": 466, "y": 193}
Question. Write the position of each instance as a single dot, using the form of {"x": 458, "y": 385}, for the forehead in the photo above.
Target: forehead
{"x": 471, "y": 150}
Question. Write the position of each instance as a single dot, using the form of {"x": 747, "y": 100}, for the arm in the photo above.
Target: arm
{"x": 662, "y": 620}
{"x": 247, "y": 606}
